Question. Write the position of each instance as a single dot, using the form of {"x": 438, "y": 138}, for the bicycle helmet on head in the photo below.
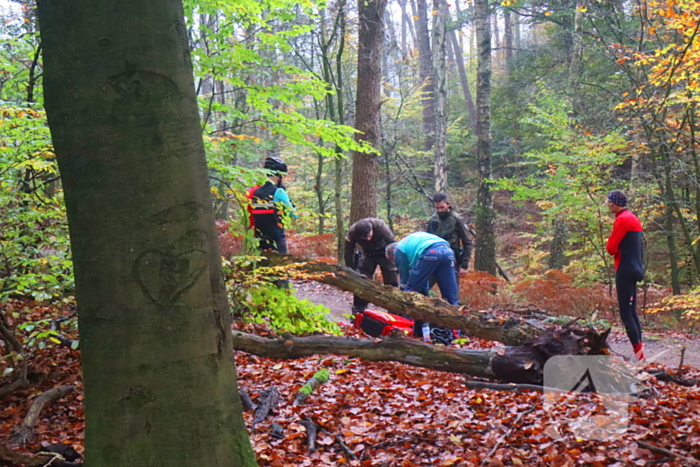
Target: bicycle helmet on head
{"x": 276, "y": 164}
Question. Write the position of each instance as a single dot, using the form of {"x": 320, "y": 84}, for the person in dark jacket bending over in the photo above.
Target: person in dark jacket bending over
{"x": 625, "y": 244}
{"x": 269, "y": 203}
{"x": 446, "y": 224}
{"x": 372, "y": 235}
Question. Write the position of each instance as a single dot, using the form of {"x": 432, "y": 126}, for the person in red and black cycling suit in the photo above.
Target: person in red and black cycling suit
{"x": 625, "y": 244}
{"x": 268, "y": 204}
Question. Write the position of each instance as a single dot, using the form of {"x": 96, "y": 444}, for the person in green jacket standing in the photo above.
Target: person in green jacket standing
{"x": 446, "y": 224}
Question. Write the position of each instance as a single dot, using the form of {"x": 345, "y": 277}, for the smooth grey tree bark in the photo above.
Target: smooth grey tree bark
{"x": 557, "y": 247}
{"x": 339, "y": 162}
{"x": 426, "y": 73}
{"x": 670, "y": 232}
{"x": 439, "y": 50}
{"x": 463, "y": 80}
{"x": 160, "y": 385}
{"x": 485, "y": 256}
{"x": 367, "y": 107}
{"x": 508, "y": 39}
{"x": 406, "y": 25}
{"x": 517, "y": 36}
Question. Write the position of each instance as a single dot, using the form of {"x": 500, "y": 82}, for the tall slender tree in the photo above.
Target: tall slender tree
{"x": 407, "y": 28}
{"x": 160, "y": 386}
{"x": 367, "y": 107}
{"x": 508, "y": 38}
{"x": 439, "y": 50}
{"x": 485, "y": 257}
{"x": 336, "y": 112}
{"x": 425, "y": 61}
{"x": 463, "y": 80}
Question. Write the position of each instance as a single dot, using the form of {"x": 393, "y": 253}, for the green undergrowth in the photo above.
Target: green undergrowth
{"x": 262, "y": 295}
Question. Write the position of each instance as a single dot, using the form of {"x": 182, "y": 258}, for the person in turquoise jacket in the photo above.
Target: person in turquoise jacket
{"x": 419, "y": 256}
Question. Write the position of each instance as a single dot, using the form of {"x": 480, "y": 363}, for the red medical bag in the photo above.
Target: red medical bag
{"x": 380, "y": 323}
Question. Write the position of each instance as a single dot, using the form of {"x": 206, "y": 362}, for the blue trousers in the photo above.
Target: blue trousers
{"x": 439, "y": 262}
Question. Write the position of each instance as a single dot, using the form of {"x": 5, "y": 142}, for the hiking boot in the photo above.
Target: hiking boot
{"x": 638, "y": 350}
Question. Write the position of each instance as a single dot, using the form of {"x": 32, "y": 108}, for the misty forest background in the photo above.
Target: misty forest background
{"x": 526, "y": 112}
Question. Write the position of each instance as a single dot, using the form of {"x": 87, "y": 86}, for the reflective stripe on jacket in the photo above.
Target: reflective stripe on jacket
{"x": 265, "y": 215}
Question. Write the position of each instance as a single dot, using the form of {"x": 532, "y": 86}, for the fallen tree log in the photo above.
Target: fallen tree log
{"x": 312, "y": 429}
{"x": 520, "y": 364}
{"x": 267, "y": 402}
{"x": 24, "y": 433}
{"x": 510, "y": 331}
{"x": 12, "y": 458}
{"x": 319, "y": 378}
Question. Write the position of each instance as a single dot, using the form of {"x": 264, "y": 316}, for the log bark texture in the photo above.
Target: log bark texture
{"x": 267, "y": 403}
{"x": 510, "y": 331}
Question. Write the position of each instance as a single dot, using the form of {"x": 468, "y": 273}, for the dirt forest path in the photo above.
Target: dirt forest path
{"x": 663, "y": 347}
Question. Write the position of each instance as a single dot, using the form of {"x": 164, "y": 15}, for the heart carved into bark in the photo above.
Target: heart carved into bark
{"x": 165, "y": 277}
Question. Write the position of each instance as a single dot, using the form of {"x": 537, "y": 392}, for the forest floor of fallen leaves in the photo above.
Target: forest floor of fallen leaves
{"x": 391, "y": 414}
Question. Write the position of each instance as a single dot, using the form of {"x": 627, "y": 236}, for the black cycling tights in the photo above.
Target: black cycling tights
{"x": 627, "y": 300}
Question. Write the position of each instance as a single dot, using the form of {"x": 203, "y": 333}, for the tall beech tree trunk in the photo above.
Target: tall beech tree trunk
{"x": 557, "y": 248}
{"x": 320, "y": 194}
{"x": 336, "y": 112}
{"x": 691, "y": 109}
{"x": 160, "y": 386}
{"x": 575, "y": 64}
{"x": 517, "y": 39}
{"x": 667, "y": 186}
{"x": 439, "y": 42}
{"x": 406, "y": 24}
{"x": 463, "y": 80}
{"x": 496, "y": 37}
{"x": 367, "y": 107}
{"x": 485, "y": 257}
{"x": 508, "y": 39}
{"x": 670, "y": 232}
{"x": 426, "y": 72}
